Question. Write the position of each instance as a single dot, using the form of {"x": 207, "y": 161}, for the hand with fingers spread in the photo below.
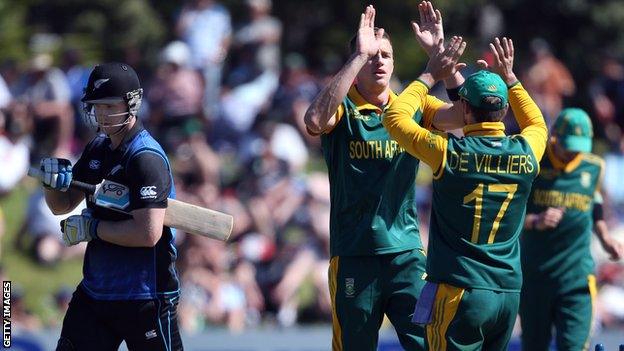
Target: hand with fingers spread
{"x": 444, "y": 63}
{"x": 503, "y": 51}
{"x": 430, "y": 31}
{"x": 371, "y": 64}
{"x": 367, "y": 43}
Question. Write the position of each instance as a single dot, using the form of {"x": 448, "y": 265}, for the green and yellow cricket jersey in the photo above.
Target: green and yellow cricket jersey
{"x": 561, "y": 255}
{"x": 481, "y": 184}
{"x": 371, "y": 178}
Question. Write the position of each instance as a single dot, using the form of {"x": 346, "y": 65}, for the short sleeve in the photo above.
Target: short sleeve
{"x": 150, "y": 182}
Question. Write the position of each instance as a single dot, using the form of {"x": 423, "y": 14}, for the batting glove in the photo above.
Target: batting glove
{"x": 79, "y": 228}
{"x": 57, "y": 173}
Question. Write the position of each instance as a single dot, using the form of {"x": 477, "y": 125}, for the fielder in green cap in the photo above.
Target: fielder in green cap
{"x": 565, "y": 203}
{"x": 573, "y": 130}
{"x": 481, "y": 184}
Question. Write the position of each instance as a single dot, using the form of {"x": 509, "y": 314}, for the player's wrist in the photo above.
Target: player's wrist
{"x": 533, "y": 220}
{"x": 453, "y": 93}
{"x": 510, "y": 80}
{"x": 360, "y": 58}
{"x": 427, "y": 79}
{"x": 93, "y": 228}
{"x": 431, "y": 51}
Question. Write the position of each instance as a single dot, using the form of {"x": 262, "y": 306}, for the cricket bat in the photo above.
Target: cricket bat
{"x": 180, "y": 215}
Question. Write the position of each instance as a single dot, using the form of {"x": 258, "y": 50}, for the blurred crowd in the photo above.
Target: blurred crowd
{"x": 228, "y": 108}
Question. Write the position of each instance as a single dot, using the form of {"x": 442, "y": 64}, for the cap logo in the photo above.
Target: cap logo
{"x": 492, "y": 88}
{"x": 578, "y": 130}
{"x": 99, "y": 82}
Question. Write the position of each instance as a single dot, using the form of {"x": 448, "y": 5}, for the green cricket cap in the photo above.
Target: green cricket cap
{"x": 573, "y": 130}
{"x": 484, "y": 84}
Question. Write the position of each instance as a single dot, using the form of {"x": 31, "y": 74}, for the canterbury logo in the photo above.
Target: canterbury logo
{"x": 148, "y": 192}
{"x": 99, "y": 82}
{"x": 492, "y": 88}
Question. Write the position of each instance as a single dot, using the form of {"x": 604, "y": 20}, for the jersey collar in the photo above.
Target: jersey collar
{"x": 485, "y": 129}
{"x": 559, "y": 164}
{"x": 362, "y": 104}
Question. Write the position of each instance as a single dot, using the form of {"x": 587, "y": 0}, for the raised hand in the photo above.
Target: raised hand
{"x": 430, "y": 30}
{"x": 367, "y": 42}
{"x": 503, "y": 52}
{"x": 444, "y": 63}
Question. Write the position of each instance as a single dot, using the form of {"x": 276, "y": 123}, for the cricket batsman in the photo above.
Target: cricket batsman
{"x": 129, "y": 290}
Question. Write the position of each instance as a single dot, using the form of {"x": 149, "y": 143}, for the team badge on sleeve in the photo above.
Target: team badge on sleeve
{"x": 148, "y": 192}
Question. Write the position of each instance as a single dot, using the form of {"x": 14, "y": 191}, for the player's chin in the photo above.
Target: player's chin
{"x": 382, "y": 80}
{"x": 110, "y": 130}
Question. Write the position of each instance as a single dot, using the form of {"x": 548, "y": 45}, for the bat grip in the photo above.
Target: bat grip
{"x": 75, "y": 184}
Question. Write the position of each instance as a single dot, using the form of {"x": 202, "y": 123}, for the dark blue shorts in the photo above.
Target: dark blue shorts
{"x": 96, "y": 325}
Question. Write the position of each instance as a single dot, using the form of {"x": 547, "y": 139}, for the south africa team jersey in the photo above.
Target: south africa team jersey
{"x": 479, "y": 201}
{"x": 372, "y": 188}
{"x": 481, "y": 185}
{"x": 561, "y": 255}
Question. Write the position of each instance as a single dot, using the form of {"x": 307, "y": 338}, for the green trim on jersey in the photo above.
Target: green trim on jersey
{"x": 561, "y": 255}
{"x": 478, "y": 210}
{"x": 372, "y": 186}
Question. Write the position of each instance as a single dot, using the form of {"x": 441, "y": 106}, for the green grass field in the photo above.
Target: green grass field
{"x": 39, "y": 283}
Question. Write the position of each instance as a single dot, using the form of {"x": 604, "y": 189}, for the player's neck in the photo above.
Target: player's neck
{"x": 376, "y": 95}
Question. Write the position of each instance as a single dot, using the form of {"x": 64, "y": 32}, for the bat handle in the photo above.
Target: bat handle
{"x": 75, "y": 184}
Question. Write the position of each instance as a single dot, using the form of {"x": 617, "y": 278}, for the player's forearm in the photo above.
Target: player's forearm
{"x": 326, "y": 103}
{"x": 451, "y": 116}
{"x": 525, "y": 110}
{"x": 602, "y": 231}
{"x": 398, "y": 117}
{"x": 61, "y": 202}
{"x": 418, "y": 141}
{"x": 139, "y": 231}
{"x": 529, "y": 118}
